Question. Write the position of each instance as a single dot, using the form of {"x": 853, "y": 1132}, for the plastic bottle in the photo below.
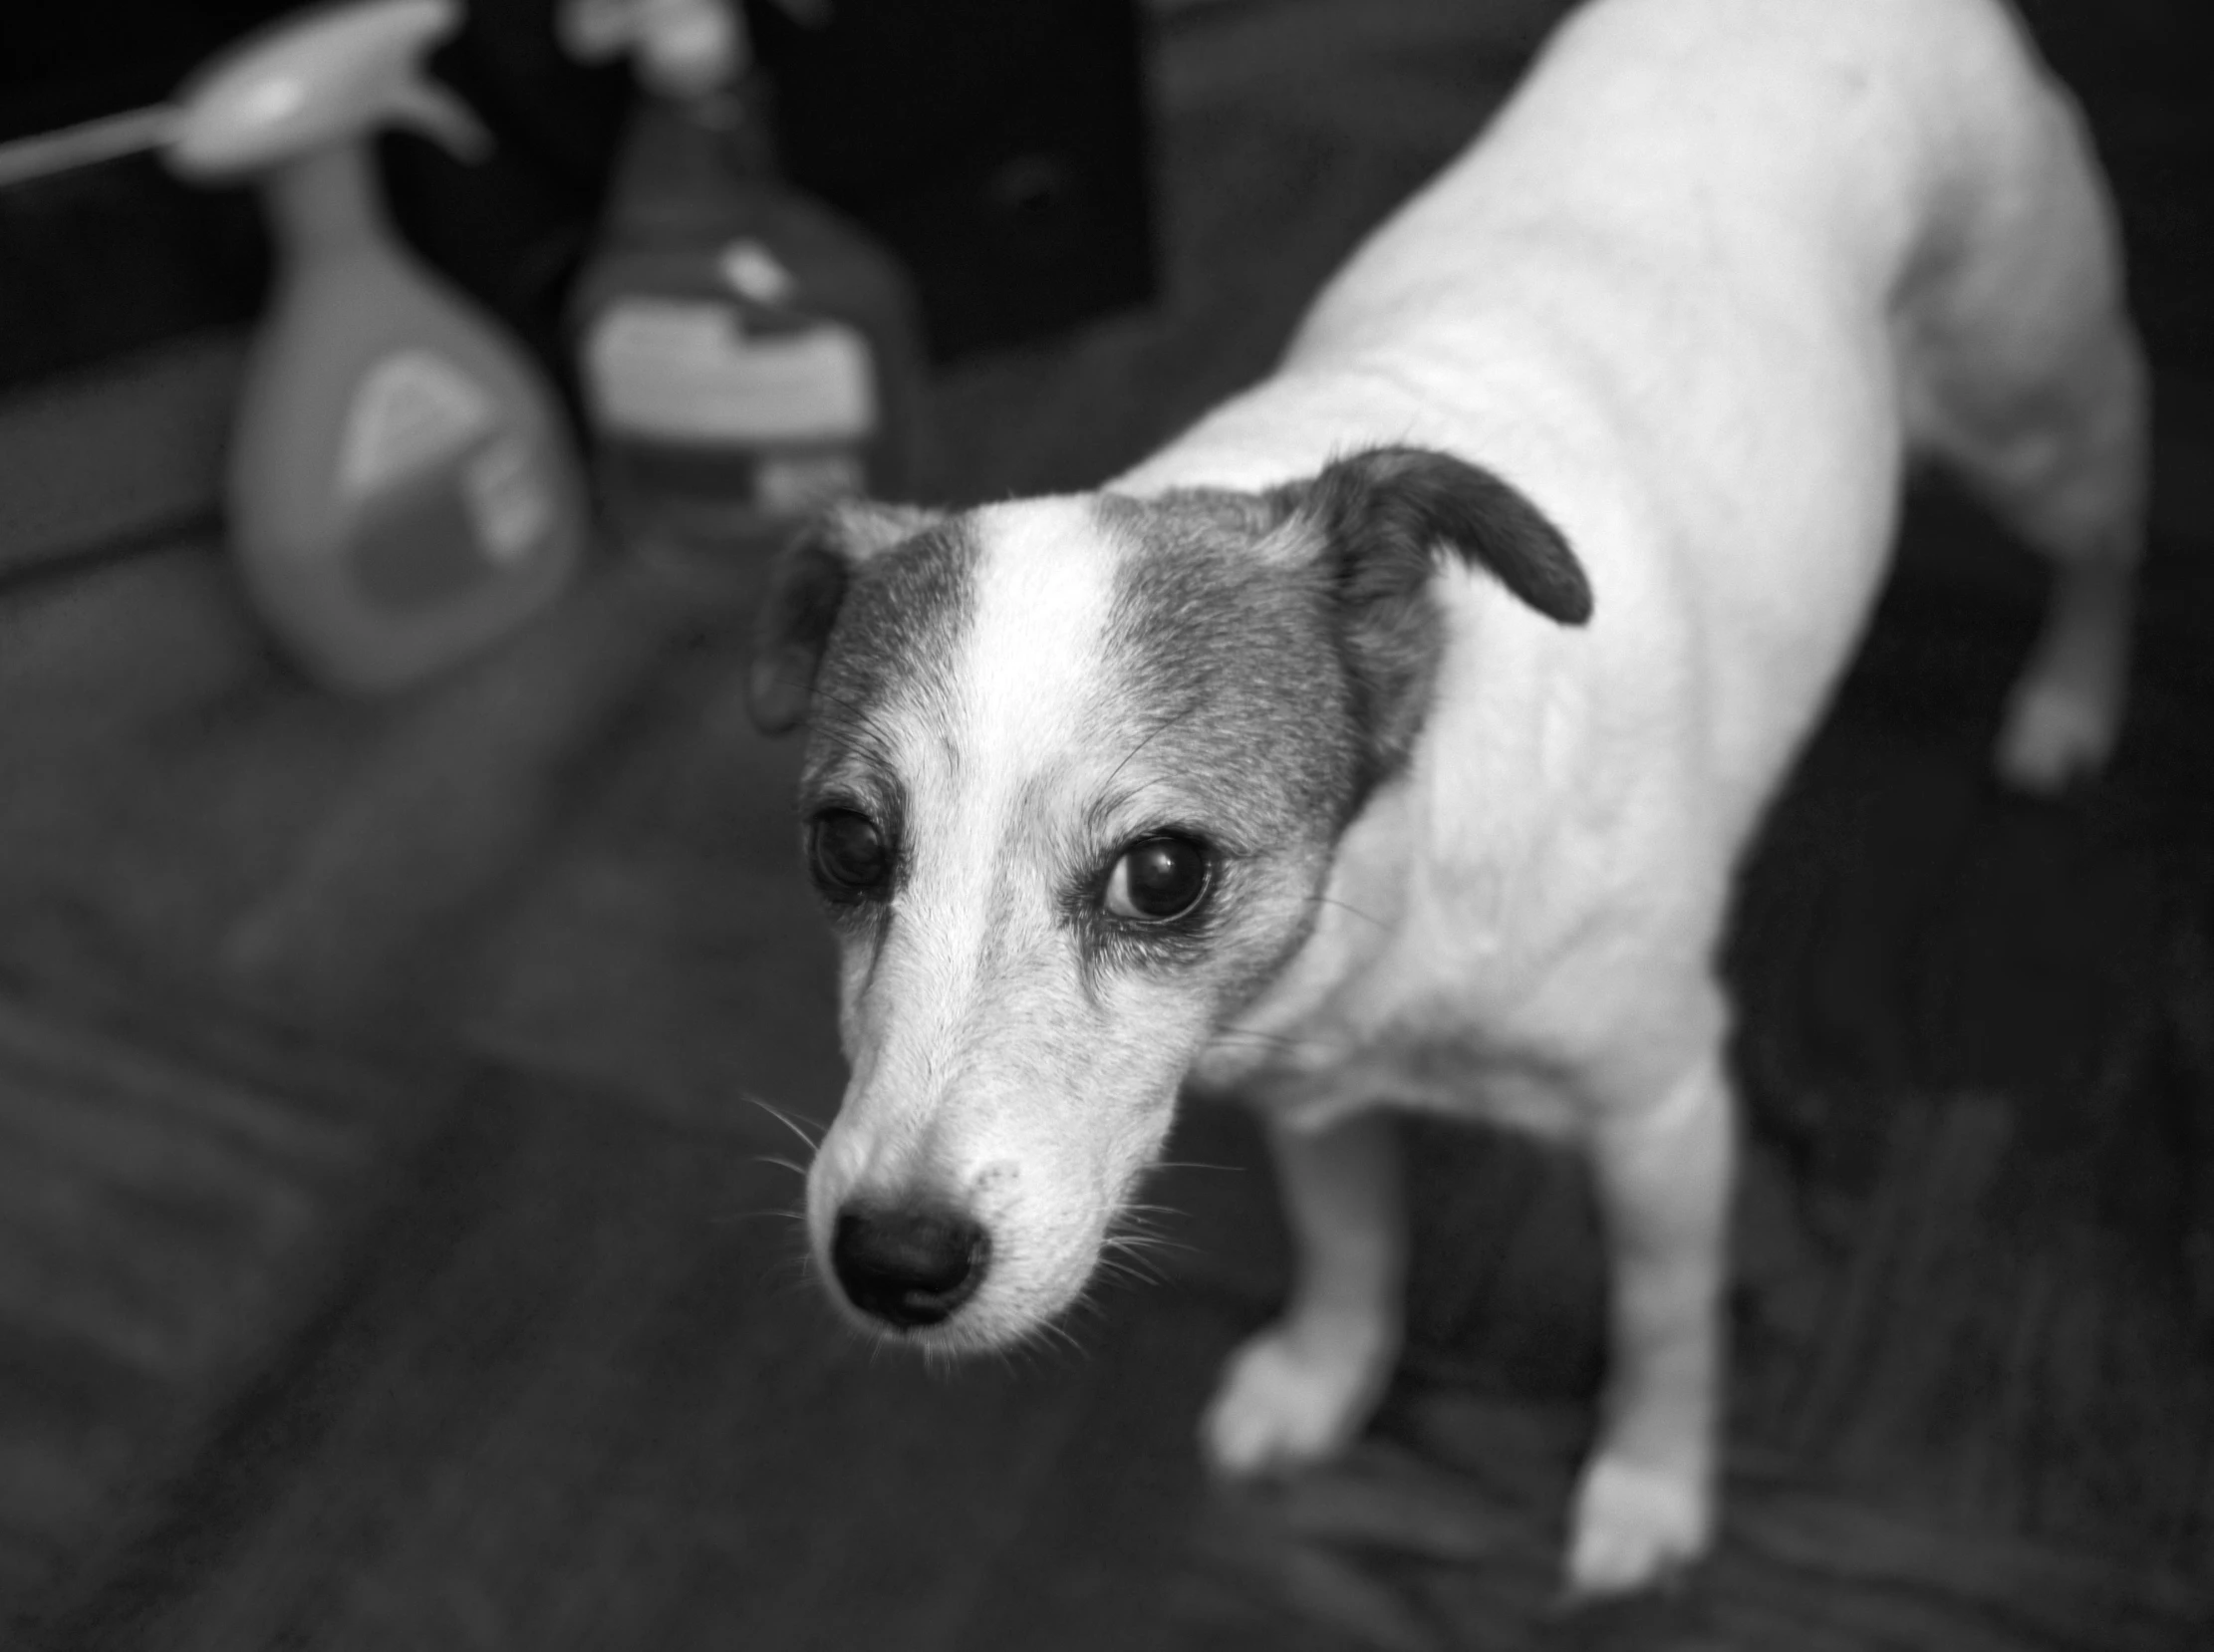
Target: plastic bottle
{"x": 745, "y": 352}
{"x": 402, "y": 488}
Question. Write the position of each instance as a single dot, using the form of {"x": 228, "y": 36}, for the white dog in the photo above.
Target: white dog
{"x": 1390, "y": 737}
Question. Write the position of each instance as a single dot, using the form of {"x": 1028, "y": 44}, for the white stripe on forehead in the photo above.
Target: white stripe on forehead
{"x": 1044, "y": 580}
{"x": 1028, "y": 663}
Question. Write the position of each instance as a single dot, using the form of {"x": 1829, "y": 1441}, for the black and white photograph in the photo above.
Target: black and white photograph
{"x": 1107, "y": 826}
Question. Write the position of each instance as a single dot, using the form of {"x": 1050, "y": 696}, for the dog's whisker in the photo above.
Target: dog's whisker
{"x": 1036, "y": 1354}
{"x": 1127, "y": 1267}
{"x": 787, "y": 1121}
{"x": 1146, "y": 1240}
{"x": 782, "y": 1163}
{"x": 1136, "y": 1242}
{"x": 1158, "y": 730}
{"x": 1140, "y": 1238}
{"x": 1346, "y": 906}
{"x": 1275, "y": 1040}
{"x": 1145, "y": 1223}
{"x": 797, "y": 1217}
{"x": 854, "y": 706}
{"x": 1056, "y": 1333}
{"x": 851, "y": 707}
{"x": 1138, "y": 1263}
{"x": 786, "y": 1276}
{"x": 1015, "y": 1358}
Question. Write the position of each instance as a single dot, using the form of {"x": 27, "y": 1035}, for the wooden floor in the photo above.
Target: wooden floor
{"x": 392, "y": 1253}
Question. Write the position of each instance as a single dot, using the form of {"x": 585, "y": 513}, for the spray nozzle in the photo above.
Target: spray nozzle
{"x": 327, "y": 76}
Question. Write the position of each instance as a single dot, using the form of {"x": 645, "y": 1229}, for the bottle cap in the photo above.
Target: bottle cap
{"x": 682, "y": 48}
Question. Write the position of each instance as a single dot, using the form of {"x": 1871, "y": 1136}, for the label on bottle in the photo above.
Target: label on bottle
{"x": 507, "y": 500}
{"x": 417, "y": 546}
{"x": 441, "y": 496}
{"x": 412, "y": 412}
{"x": 679, "y": 370}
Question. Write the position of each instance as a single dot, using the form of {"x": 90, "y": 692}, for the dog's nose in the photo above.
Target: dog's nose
{"x": 909, "y": 1266}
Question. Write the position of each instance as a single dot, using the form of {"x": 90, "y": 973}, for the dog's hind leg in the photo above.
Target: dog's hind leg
{"x": 2073, "y": 486}
{"x": 1302, "y": 1389}
{"x": 1663, "y": 1161}
{"x": 2025, "y": 380}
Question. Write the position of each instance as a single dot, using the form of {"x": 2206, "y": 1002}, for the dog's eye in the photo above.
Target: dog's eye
{"x": 847, "y": 854}
{"x": 1157, "y": 880}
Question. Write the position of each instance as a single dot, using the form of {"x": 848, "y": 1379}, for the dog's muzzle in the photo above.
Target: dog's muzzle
{"x": 910, "y": 1265}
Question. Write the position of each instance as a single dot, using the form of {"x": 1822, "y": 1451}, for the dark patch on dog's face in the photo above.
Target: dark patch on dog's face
{"x": 1335, "y": 632}
{"x": 886, "y": 659}
{"x": 805, "y": 596}
{"x": 1229, "y": 659}
{"x": 1285, "y": 645}
{"x": 898, "y": 630}
{"x": 1233, "y": 655}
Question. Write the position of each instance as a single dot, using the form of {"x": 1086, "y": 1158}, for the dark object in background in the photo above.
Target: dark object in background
{"x": 997, "y": 146}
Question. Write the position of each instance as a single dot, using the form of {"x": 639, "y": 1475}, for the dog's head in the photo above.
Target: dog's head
{"x": 1075, "y": 771}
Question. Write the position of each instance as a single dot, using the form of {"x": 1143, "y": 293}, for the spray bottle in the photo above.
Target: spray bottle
{"x": 745, "y": 352}
{"x": 402, "y": 488}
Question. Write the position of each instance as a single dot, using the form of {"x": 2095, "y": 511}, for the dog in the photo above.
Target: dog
{"x": 1389, "y": 739}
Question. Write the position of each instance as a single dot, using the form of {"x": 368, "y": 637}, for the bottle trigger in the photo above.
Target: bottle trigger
{"x": 437, "y": 114}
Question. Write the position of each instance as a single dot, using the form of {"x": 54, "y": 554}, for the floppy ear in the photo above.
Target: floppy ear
{"x": 804, "y": 595}
{"x": 1382, "y": 518}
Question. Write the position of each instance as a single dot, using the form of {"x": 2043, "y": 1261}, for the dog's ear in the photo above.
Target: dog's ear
{"x": 1382, "y": 518}
{"x": 1384, "y": 513}
{"x": 805, "y": 592}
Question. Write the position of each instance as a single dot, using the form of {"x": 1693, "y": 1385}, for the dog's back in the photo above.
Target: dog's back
{"x": 1711, "y": 273}
{"x": 1714, "y": 273}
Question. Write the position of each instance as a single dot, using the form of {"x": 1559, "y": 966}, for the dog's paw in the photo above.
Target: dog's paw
{"x": 2058, "y": 732}
{"x": 1288, "y": 1400}
{"x": 1634, "y": 1528}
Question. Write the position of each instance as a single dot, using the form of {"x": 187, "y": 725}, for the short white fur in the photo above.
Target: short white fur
{"x": 1713, "y": 275}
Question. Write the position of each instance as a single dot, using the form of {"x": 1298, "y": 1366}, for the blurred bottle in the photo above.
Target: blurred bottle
{"x": 402, "y": 489}
{"x": 746, "y": 355}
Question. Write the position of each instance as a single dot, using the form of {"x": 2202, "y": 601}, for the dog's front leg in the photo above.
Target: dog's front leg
{"x": 1645, "y": 1504}
{"x": 1303, "y": 1388}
